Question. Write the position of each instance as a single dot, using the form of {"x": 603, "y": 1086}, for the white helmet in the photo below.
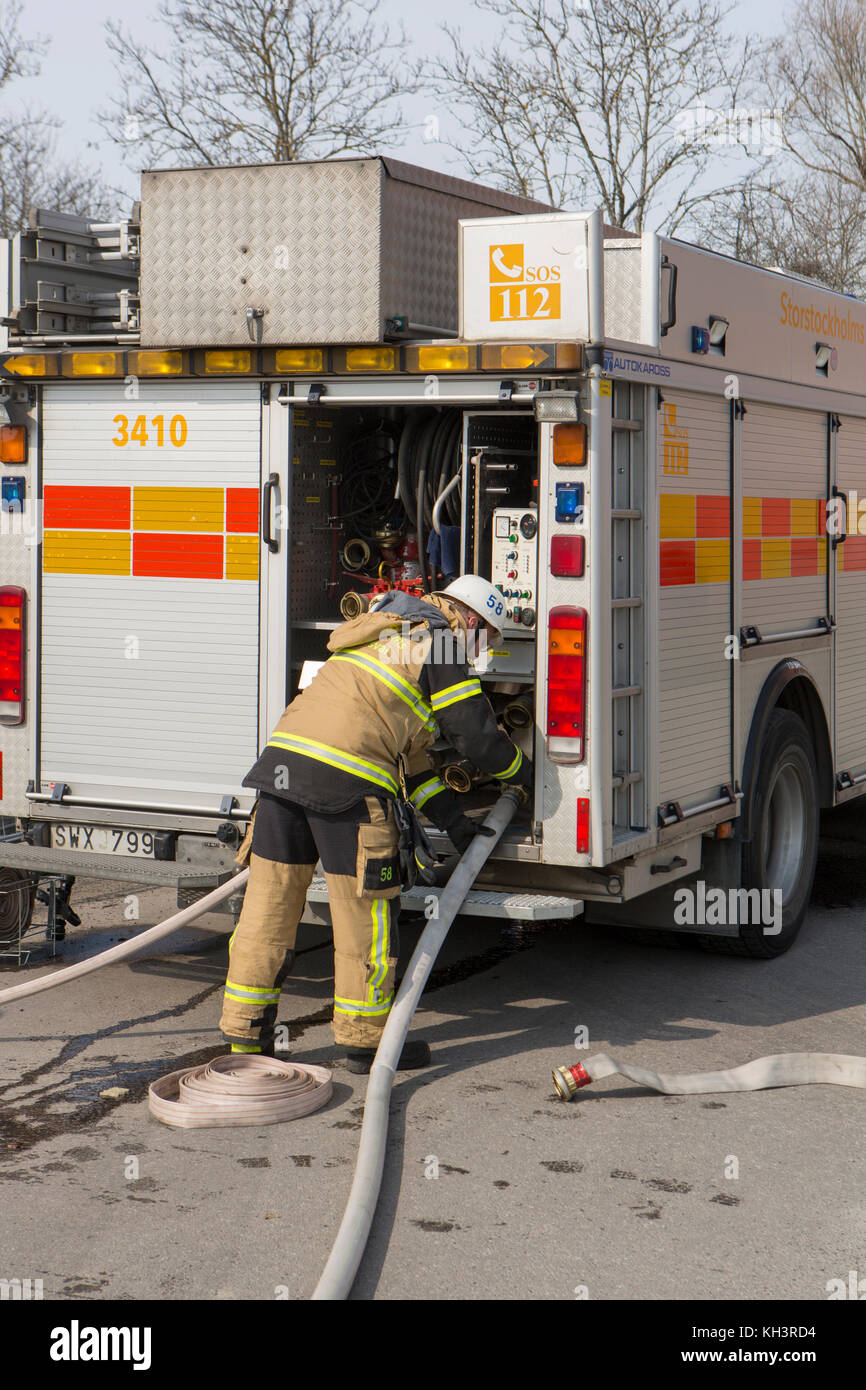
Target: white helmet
{"x": 479, "y": 595}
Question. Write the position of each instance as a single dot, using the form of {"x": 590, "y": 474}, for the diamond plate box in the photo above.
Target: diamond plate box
{"x": 318, "y": 252}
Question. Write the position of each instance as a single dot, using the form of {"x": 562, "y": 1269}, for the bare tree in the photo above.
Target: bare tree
{"x": 31, "y": 175}
{"x": 813, "y": 226}
{"x": 247, "y": 80}
{"x": 591, "y": 98}
{"x": 19, "y": 57}
{"x": 819, "y": 75}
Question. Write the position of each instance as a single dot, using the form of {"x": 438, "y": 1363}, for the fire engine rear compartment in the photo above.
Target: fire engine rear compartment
{"x": 356, "y": 473}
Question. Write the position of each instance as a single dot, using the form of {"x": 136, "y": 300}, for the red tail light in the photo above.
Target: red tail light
{"x": 11, "y": 655}
{"x": 566, "y": 683}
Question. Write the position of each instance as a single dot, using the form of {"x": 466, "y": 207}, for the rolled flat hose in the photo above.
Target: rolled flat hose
{"x": 781, "y": 1069}
{"x": 239, "y": 1089}
{"x": 348, "y": 1249}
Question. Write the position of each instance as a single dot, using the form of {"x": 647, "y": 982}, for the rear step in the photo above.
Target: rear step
{"x": 154, "y": 872}
{"x": 480, "y": 902}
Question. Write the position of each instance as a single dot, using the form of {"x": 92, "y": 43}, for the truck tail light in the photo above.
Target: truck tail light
{"x": 566, "y": 683}
{"x": 566, "y": 556}
{"x": 569, "y": 444}
{"x": 11, "y": 655}
{"x": 13, "y": 443}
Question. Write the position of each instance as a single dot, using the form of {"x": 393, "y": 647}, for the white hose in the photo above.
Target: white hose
{"x": 783, "y": 1069}
{"x": 437, "y": 505}
{"x": 348, "y": 1249}
{"x": 128, "y": 948}
{"x": 239, "y": 1090}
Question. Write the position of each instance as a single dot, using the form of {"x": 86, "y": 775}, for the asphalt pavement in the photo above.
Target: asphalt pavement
{"x": 493, "y": 1187}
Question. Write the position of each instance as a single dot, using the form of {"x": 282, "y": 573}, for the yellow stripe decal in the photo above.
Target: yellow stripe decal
{"x": 87, "y": 552}
{"x": 242, "y": 557}
{"x": 178, "y": 508}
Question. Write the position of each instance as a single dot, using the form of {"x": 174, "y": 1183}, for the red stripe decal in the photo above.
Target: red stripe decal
{"x": 751, "y": 559}
{"x": 804, "y": 555}
{"x": 676, "y": 562}
{"x": 776, "y": 516}
{"x": 713, "y": 517}
{"x": 86, "y": 508}
{"x": 242, "y": 510}
{"x": 177, "y": 555}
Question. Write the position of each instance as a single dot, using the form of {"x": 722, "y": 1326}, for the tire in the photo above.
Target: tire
{"x": 783, "y": 850}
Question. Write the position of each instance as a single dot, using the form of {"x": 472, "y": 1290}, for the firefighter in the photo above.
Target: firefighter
{"x": 346, "y": 760}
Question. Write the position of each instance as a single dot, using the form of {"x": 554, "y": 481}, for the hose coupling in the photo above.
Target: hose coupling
{"x": 352, "y": 605}
{"x": 356, "y": 554}
{"x": 458, "y": 777}
{"x": 568, "y": 1080}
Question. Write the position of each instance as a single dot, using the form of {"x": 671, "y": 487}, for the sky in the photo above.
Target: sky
{"x": 78, "y": 74}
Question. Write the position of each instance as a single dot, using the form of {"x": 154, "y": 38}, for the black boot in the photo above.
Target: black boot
{"x": 416, "y": 1053}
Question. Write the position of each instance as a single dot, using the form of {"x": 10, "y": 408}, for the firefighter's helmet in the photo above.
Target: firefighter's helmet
{"x": 481, "y": 597}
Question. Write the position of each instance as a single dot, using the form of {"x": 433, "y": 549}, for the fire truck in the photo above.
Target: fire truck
{"x": 279, "y": 391}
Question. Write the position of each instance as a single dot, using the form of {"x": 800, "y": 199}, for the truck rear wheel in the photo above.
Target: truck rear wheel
{"x": 779, "y": 860}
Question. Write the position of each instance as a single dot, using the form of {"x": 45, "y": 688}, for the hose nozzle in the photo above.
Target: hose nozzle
{"x": 568, "y": 1080}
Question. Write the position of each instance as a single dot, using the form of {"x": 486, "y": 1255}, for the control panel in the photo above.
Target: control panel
{"x": 514, "y": 566}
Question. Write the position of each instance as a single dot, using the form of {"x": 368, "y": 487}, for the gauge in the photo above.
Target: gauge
{"x": 528, "y": 525}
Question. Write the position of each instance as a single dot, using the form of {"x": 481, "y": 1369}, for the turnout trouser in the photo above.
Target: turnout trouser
{"x": 359, "y": 853}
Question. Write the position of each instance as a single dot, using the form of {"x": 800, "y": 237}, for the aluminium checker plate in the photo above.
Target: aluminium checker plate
{"x": 480, "y": 902}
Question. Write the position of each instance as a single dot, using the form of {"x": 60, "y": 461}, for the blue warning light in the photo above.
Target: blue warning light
{"x": 569, "y": 502}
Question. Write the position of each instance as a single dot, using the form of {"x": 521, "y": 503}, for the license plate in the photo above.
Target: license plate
{"x": 104, "y": 839}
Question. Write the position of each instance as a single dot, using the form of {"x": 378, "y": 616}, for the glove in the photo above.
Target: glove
{"x": 462, "y": 831}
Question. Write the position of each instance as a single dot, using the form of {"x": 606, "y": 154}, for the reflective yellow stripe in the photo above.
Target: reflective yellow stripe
{"x": 251, "y": 993}
{"x": 356, "y": 1006}
{"x": 512, "y": 767}
{"x": 246, "y": 1047}
{"x": 334, "y": 757}
{"x": 394, "y": 682}
{"x": 379, "y": 953}
{"x": 232, "y": 939}
{"x": 452, "y": 694}
{"x": 421, "y": 795}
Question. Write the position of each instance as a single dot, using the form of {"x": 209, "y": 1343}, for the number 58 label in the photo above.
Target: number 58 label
{"x": 137, "y": 431}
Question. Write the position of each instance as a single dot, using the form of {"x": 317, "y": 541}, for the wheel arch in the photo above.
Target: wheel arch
{"x": 789, "y": 686}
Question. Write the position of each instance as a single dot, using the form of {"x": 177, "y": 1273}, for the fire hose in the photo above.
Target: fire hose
{"x": 348, "y": 1249}
{"x": 782, "y": 1069}
{"x": 229, "y": 1090}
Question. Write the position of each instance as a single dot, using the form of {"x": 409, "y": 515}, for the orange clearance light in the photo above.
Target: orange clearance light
{"x": 454, "y": 357}
{"x": 373, "y": 359}
{"x": 295, "y": 360}
{"x": 30, "y": 364}
{"x": 227, "y": 363}
{"x": 569, "y": 444}
{"x": 92, "y": 364}
{"x": 13, "y": 444}
{"x": 516, "y": 357}
{"x": 155, "y": 363}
